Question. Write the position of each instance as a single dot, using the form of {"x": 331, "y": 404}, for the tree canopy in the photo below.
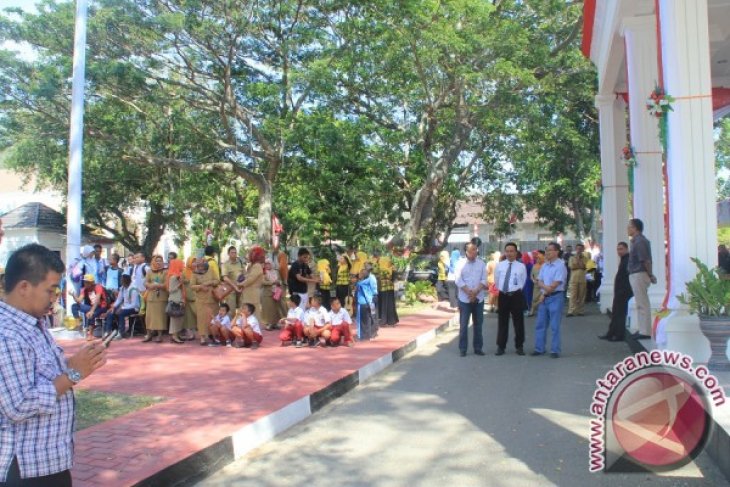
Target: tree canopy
{"x": 349, "y": 120}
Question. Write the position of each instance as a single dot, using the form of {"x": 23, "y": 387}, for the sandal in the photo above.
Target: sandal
{"x": 203, "y": 343}
{"x": 147, "y": 338}
{"x": 177, "y": 340}
{"x": 158, "y": 339}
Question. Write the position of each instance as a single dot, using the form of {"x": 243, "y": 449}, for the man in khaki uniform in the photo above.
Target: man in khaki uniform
{"x": 577, "y": 287}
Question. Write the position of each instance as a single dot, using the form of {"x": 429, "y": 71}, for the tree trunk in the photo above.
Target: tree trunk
{"x": 155, "y": 228}
{"x": 263, "y": 220}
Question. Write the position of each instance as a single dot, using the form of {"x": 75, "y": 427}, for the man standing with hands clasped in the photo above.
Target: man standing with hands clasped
{"x": 36, "y": 380}
{"x": 471, "y": 280}
{"x": 551, "y": 283}
{"x": 510, "y": 277}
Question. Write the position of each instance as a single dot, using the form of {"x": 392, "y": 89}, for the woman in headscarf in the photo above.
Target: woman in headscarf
{"x": 190, "y": 321}
{"x": 493, "y": 291}
{"x": 270, "y": 309}
{"x": 451, "y": 279}
{"x": 176, "y": 295}
{"x": 534, "y": 275}
{"x": 203, "y": 281}
{"x": 527, "y": 289}
{"x": 356, "y": 268}
{"x": 443, "y": 271}
{"x": 233, "y": 275}
{"x": 156, "y": 286}
{"x": 325, "y": 282}
{"x": 251, "y": 287}
{"x": 342, "y": 282}
{"x": 387, "y": 312}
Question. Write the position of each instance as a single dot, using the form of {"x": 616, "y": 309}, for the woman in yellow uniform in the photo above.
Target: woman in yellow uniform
{"x": 156, "y": 285}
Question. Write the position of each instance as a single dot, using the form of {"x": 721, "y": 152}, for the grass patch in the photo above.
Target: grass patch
{"x": 93, "y": 407}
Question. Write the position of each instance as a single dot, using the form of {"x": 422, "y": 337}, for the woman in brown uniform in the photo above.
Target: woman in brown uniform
{"x": 254, "y": 279}
{"x": 233, "y": 275}
{"x": 203, "y": 281}
{"x": 270, "y": 310}
{"x": 190, "y": 323}
{"x": 156, "y": 286}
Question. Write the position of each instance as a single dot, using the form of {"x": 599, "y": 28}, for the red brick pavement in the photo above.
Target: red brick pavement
{"x": 209, "y": 393}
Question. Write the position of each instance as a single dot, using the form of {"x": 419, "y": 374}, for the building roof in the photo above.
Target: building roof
{"x": 471, "y": 212}
{"x": 34, "y": 215}
{"x": 39, "y": 216}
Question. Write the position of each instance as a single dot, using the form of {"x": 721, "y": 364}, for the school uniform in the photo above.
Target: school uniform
{"x": 294, "y": 326}
{"x": 340, "y": 322}
{"x": 255, "y": 327}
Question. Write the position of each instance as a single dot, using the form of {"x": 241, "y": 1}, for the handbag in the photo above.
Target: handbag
{"x": 276, "y": 293}
{"x": 221, "y": 291}
{"x": 175, "y": 310}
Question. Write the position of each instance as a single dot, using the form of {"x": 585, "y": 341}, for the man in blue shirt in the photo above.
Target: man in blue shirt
{"x": 551, "y": 283}
{"x": 471, "y": 280}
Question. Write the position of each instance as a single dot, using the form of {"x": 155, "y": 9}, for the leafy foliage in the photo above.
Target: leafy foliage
{"x": 708, "y": 294}
{"x": 414, "y": 291}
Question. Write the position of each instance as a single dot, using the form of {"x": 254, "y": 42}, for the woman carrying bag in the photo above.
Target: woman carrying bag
{"x": 176, "y": 299}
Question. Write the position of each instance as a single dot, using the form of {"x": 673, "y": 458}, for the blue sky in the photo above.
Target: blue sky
{"x": 25, "y": 4}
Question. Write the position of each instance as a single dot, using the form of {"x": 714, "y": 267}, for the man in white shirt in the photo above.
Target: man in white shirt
{"x": 509, "y": 277}
{"x": 471, "y": 280}
{"x": 340, "y": 320}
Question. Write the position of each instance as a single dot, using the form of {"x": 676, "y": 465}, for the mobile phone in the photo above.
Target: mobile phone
{"x": 108, "y": 340}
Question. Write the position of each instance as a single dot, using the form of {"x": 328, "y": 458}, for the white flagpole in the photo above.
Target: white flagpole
{"x": 76, "y": 141}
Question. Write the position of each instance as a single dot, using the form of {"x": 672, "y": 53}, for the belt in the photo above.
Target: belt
{"x": 554, "y": 293}
{"x": 512, "y": 293}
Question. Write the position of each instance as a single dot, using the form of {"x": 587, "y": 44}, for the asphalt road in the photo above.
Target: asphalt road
{"x": 435, "y": 419}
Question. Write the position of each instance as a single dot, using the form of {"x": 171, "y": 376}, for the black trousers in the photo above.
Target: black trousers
{"x": 60, "y": 479}
{"x": 511, "y": 305}
{"x": 619, "y": 309}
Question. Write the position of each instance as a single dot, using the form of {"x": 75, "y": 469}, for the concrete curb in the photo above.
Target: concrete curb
{"x": 214, "y": 457}
{"x": 718, "y": 444}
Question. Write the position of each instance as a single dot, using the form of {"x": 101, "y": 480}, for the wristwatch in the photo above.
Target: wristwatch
{"x": 73, "y": 375}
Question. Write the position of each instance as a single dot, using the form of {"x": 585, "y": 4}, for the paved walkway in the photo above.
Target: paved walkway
{"x": 209, "y": 394}
{"x": 436, "y": 419}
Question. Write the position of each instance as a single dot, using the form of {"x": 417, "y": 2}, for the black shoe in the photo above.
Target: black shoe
{"x": 500, "y": 351}
{"x": 462, "y": 354}
{"x": 605, "y": 337}
{"x": 478, "y": 352}
{"x": 639, "y": 336}
{"x": 536, "y": 353}
{"x": 569, "y": 315}
{"x": 520, "y": 351}
{"x": 615, "y": 339}
{"x": 554, "y": 355}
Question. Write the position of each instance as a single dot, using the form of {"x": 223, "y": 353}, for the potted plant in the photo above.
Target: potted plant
{"x": 400, "y": 267}
{"x": 708, "y": 296}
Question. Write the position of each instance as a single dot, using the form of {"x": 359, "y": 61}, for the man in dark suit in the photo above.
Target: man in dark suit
{"x": 621, "y": 294}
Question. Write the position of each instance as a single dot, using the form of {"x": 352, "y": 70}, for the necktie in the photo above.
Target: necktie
{"x": 505, "y": 285}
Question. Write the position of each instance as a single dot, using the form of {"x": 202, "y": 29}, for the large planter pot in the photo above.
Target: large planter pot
{"x": 717, "y": 331}
{"x": 421, "y": 275}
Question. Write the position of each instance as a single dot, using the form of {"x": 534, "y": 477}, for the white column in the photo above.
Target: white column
{"x": 643, "y": 75}
{"x": 614, "y": 178}
{"x": 690, "y": 163}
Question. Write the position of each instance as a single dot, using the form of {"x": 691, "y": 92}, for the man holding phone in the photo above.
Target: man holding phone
{"x": 36, "y": 379}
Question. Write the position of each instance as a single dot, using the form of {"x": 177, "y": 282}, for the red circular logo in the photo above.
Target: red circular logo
{"x": 660, "y": 419}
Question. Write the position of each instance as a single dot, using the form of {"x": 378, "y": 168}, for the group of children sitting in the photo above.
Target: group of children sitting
{"x": 315, "y": 325}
